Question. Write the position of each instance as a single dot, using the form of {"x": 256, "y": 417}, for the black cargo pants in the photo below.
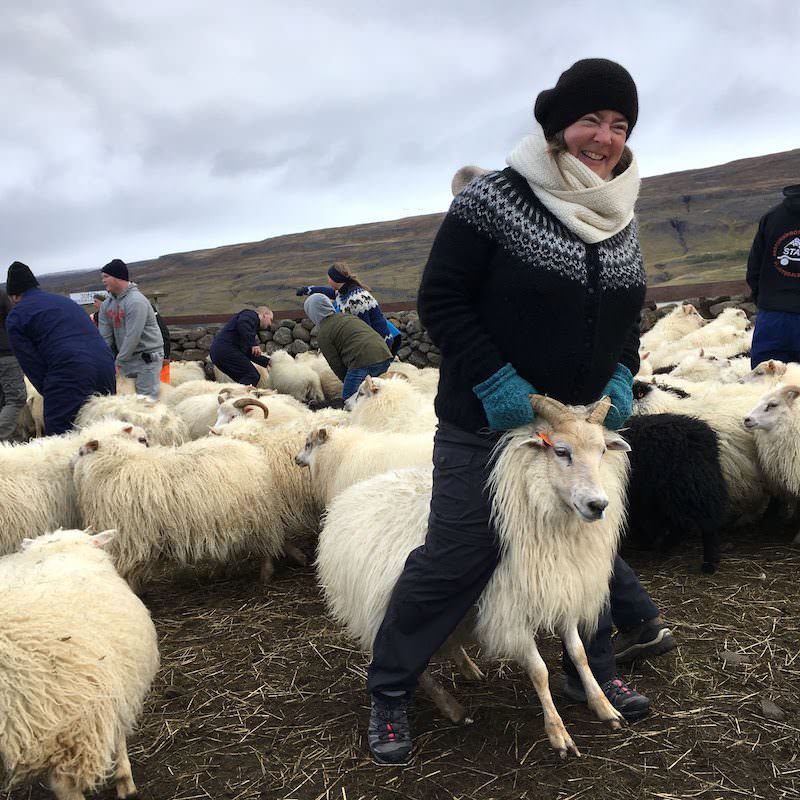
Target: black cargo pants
{"x": 444, "y": 577}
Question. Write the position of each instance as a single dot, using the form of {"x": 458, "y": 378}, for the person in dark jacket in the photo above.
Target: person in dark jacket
{"x": 352, "y": 348}
{"x": 351, "y": 296}
{"x": 773, "y": 274}
{"x": 534, "y": 285}
{"x": 12, "y": 385}
{"x": 236, "y": 346}
{"x": 58, "y": 348}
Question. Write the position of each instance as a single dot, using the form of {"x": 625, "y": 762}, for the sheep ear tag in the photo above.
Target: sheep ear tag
{"x": 545, "y": 438}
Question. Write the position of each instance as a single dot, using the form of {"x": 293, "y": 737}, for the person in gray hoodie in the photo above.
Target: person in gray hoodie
{"x": 129, "y": 326}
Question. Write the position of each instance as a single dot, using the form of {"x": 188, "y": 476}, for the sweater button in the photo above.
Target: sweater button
{"x": 590, "y": 290}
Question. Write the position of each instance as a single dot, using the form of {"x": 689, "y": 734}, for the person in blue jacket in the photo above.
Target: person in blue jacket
{"x": 350, "y": 296}
{"x": 236, "y": 346}
{"x": 58, "y": 348}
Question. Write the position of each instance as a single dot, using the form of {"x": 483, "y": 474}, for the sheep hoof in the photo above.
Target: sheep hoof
{"x": 709, "y": 567}
{"x": 267, "y": 571}
{"x": 295, "y": 555}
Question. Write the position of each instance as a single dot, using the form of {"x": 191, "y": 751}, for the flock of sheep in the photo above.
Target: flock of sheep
{"x": 217, "y": 472}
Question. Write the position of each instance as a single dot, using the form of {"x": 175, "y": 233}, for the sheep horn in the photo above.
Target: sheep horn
{"x": 244, "y": 402}
{"x": 550, "y": 409}
{"x": 223, "y": 395}
{"x": 598, "y": 413}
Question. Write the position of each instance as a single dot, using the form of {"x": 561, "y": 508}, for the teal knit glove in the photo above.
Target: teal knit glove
{"x": 505, "y": 399}
{"x": 620, "y": 390}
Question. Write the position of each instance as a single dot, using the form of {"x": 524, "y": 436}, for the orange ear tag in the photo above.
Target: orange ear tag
{"x": 544, "y": 438}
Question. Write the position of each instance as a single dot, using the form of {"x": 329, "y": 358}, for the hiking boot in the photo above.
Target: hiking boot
{"x": 651, "y": 638}
{"x": 389, "y": 734}
{"x": 627, "y": 701}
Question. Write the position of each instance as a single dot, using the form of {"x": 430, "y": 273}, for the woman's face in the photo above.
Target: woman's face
{"x": 597, "y": 140}
{"x": 332, "y": 283}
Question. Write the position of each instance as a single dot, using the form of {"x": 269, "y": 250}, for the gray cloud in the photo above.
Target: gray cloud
{"x": 148, "y": 128}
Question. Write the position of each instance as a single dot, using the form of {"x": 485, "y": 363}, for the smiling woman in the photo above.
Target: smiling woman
{"x": 547, "y": 250}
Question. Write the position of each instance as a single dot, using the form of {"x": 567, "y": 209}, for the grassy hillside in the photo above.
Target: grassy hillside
{"x": 696, "y": 226}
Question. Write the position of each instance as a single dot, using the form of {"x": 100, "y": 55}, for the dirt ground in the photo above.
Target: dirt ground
{"x": 261, "y": 696}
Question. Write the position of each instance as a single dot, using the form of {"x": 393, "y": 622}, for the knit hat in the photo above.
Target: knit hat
{"x": 20, "y": 278}
{"x": 317, "y": 307}
{"x": 592, "y": 84}
{"x": 116, "y": 268}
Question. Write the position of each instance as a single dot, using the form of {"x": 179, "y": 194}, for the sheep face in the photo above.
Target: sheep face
{"x": 574, "y": 454}
{"x": 772, "y": 408}
{"x": 765, "y": 371}
{"x": 369, "y": 387}
{"x": 314, "y": 440}
{"x": 230, "y": 410}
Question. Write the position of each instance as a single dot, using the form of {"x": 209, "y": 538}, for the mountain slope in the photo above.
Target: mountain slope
{"x": 696, "y": 226}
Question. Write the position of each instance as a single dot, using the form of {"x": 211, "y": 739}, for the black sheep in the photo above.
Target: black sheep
{"x": 676, "y": 490}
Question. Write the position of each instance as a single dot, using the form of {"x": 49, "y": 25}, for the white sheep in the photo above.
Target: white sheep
{"x": 197, "y": 388}
{"x": 391, "y": 404}
{"x": 701, "y": 367}
{"x": 775, "y": 424}
{"x": 78, "y": 654}
{"x": 339, "y": 457}
{"x": 206, "y": 500}
{"x": 36, "y": 482}
{"x": 721, "y": 342}
{"x": 331, "y": 385}
{"x": 297, "y": 379}
{"x": 263, "y": 379}
{"x": 683, "y": 319}
{"x": 558, "y": 502}
{"x": 277, "y": 409}
{"x": 645, "y": 366}
{"x": 200, "y": 411}
{"x": 773, "y": 371}
{"x": 162, "y": 424}
{"x": 424, "y": 380}
{"x": 181, "y": 372}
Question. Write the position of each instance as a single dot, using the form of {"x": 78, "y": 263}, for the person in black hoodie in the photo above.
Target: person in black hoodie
{"x": 12, "y": 384}
{"x": 534, "y": 284}
{"x": 773, "y": 274}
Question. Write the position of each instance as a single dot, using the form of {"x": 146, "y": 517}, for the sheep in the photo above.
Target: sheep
{"x": 722, "y": 406}
{"x": 35, "y": 404}
{"x": 680, "y": 321}
{"x": 181, "y": 372}
{"x": 383, "y": 404}
{"x": 278, "y": 409}
{"x": 263, "y": 380}
{"x": 773, "y": 371}
{"x": 331, "y": 385}
{"x": 162, "y": 424}
{"x": 78, "y": 654}
{"x": 424, "y": 380}
{"x": 36, "y": 482}
{"x": 775, "y": 424}
{"x": 558, "y": 522}
{"x": 645, "y": 366}
{"x": 339, "y": 457}
{"x": 205, "y": 500}
{"x": 676, "y": 489}
{"x": 196, "y": 388}
{"x": 720, "y": 342}
{"x": 297, "y": 379}
{"x": 200, "y": 412}
{"x": 701, "y": 367}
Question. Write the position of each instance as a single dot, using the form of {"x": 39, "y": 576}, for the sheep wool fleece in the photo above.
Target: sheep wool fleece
{"x": 507, "y": 282}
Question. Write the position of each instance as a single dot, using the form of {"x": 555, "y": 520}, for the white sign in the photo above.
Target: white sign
{"x": 82, "y": 298}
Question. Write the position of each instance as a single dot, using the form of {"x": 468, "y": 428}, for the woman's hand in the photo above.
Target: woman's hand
{"x": 620, "y": 390}
{"x": 506, "y": 399}
{"x": 256, "y": 350}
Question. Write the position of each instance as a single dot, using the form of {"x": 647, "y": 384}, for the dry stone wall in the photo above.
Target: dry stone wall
{"x": 300, "y": 336}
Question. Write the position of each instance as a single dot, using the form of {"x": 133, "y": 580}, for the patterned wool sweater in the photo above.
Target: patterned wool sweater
{"x": 507, "y": 282}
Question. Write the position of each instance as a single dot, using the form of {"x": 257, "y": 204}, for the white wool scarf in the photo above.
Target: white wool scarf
{"x": 593, "y": 209}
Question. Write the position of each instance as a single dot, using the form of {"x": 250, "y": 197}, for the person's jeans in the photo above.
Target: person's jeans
{"x": 354, "y": 377}
{"x": 776, "y": 335}
{"x": 12, "y": 396}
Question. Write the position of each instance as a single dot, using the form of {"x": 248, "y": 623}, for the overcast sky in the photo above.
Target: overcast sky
{"x": 132, "y": 130}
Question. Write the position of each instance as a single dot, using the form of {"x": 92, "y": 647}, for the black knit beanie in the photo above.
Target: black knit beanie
{"x": 592, "y": 84}
{"x": 20, "y": 278}
{"x": 116, "y": 268}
